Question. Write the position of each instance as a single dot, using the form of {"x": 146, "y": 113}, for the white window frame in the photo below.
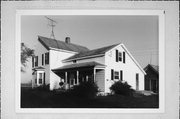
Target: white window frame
{"x": 116, "y": 74}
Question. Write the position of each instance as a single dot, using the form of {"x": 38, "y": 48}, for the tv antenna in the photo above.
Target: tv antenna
{"x": 151, "y": 58}
{"x": 52, "y": 25}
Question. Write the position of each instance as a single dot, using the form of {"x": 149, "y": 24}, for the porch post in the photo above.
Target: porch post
{"x": 37, "y": 80}
{"x": 66, "y": 77}
{"x": 77, "y": 77}
{"x": 150, "y": 84}
{"x": 94, "y": 74}
{"x": 86, "y": 78}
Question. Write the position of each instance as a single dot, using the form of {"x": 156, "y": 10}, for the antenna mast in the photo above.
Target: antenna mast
{"x": 150, "y": 57}
{"x": 52, "y": 25}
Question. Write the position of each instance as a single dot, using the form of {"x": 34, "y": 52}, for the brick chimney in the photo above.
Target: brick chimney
{"x": 67, "y": 40}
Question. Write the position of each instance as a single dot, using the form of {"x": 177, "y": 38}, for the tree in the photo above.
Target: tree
{"x": 25, "y": 54}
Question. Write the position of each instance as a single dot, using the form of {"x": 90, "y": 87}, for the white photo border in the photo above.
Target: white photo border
{"x": 161, "y": 37}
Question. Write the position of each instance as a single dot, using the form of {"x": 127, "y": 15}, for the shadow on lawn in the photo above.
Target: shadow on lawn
{"x": 34, "y": 98}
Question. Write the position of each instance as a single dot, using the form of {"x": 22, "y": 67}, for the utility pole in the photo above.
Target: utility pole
{"x": 52, "y": 25}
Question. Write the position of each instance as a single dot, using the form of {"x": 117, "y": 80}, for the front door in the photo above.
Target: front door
{"x": 137, "y": 81}
{"x": 154, "y": 85}
{"x": 40, "y": 78}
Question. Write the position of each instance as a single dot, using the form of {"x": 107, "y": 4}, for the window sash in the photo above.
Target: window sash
{"x": 40, "y": 81}
{"x": 116, "y": 75}
{"x": 120, "y": 56}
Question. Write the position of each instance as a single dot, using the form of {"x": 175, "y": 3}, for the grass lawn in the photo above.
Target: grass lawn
{"x": 53, "y": 99}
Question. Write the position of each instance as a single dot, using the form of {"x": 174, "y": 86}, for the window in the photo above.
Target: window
{"x": 116, "y": 75}
{"x": 47, "y": 58}
{"x": 35, "y": 81}
{"x": 120, "y": 56}
{"x": 42, "y": 59}
{"x": 74, "y": 61}
{"x": 40, "y": 78}
{"x": 137, "y": 81}
{"x": 36, "y": 61}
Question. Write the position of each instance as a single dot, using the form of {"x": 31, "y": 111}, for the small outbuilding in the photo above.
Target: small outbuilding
{"x": 152, "y": 78}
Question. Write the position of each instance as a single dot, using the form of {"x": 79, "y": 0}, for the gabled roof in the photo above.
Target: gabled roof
{"x": 95, "y": 52}
{"x": 78, "y": 65}
{"x": 52, "y": 43}
{"x": 153, "y": 67}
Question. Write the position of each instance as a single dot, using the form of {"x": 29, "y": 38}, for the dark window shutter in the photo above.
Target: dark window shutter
{"x": 32, "y": 61}
{"x": 124, "y": 57}
{"x": 112, "y": 74}
{"x": 42, "y": 59}
{"x": 121, "y": 75}
{"x": 117, "y": 58}
{"x": 37, "y": 60}
{"x": 48, "y": 57}
{"x": 137, "y": 76}
{"x": 44, "y": 78}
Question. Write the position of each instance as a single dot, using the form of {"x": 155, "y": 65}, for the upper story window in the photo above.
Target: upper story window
{"x": 47, "y": 58}
{"x": 120, "y": 56}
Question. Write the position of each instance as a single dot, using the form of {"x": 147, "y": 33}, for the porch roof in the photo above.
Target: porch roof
{"x": 38, "y": 68}
{"x": 79, "y": 65}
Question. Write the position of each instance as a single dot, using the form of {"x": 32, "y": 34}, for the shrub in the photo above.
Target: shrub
{"x": 85, "y": 90}
{"x": 42, "y": 88}
{"x": 122, "y": 88}
{"x": 61, "y": 83}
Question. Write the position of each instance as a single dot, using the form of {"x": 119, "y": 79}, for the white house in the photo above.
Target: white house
{"x": 57, "y": 61}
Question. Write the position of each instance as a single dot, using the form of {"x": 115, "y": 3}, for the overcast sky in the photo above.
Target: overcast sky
{"x": 138, "y": 33}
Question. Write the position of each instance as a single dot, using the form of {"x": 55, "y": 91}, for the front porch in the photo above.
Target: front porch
{"x": 75, "y": 74}
{"x": 38, "y": 77}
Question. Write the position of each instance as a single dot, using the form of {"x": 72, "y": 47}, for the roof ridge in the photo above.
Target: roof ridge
{"x": 63, "y": 41}
{"x": 59, "y": 44}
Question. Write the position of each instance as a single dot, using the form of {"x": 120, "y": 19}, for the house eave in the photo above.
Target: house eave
{"x": 93, "y": 56}
{"x": 67, "y": 51}
{"x": 137, "y": 64}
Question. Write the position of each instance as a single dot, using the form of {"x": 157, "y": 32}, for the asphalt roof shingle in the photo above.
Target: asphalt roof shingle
{"x": 154, "y": 67}
{"x": 78, "y": 65}
{"x": 48, "y": 42}
{"x": 91, "y": 52}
